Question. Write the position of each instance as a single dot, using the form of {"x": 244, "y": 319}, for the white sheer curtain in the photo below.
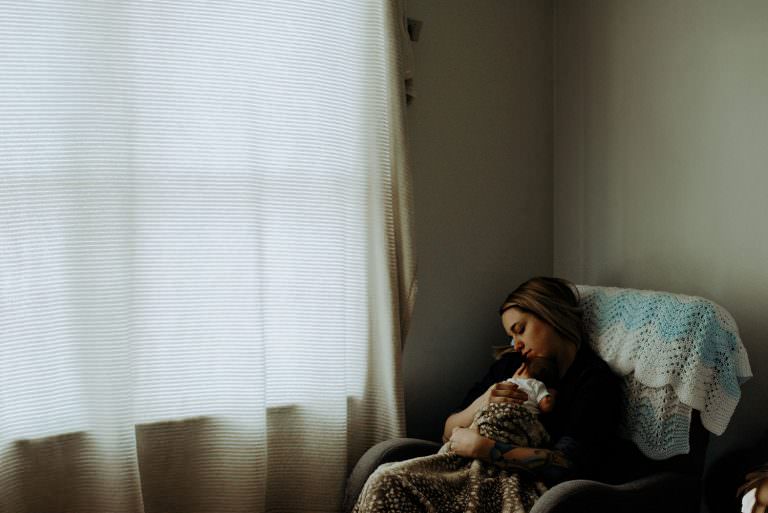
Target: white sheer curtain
{"x": 205, "y": 268}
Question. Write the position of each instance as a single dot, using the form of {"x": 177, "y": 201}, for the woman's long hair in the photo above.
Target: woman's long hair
{"x": 553, "y": 300}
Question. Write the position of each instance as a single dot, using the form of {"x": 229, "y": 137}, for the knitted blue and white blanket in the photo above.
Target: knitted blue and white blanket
{"x": 676, "y": 353}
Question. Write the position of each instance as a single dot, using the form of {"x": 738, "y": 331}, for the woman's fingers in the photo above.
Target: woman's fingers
{"x": 506, "y": 392}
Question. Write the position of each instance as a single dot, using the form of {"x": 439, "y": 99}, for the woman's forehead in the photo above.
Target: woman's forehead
{"x": 513, "y": 315}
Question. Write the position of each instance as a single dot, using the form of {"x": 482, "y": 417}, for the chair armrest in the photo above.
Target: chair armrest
{"x": 661, "y": 492}
{"x": 397, "y": 449}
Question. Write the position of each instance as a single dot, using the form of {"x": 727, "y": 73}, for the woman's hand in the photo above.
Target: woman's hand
{"x": 502, "y": 392}
{"x": 506, "y": 392}
{"x": 469, "y": 443}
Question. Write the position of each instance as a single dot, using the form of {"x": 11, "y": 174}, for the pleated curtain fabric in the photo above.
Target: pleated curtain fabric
{"x": 205, "y": 259}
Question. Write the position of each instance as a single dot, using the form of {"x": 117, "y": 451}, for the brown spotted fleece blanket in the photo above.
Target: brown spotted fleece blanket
{"x": 448, "y": 483}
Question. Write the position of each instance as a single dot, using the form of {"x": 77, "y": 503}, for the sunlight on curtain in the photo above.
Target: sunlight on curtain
{"x": 205, "y": 264}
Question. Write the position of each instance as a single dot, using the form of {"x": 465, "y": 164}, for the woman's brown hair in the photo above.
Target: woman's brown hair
{"x": 554, "y": 301}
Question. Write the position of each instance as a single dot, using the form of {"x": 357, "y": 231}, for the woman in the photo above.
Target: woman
{"x": 543, "y": 318}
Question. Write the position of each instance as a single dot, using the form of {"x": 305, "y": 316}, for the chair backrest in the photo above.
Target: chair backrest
{"x": 681, "y": 361}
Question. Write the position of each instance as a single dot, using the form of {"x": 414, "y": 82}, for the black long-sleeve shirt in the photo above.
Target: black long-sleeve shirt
{"x": 584, "y": 422}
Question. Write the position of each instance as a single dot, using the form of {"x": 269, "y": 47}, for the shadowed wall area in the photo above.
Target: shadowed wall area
{"x": 615, "y": 143}
{"x": 661, "y": 111}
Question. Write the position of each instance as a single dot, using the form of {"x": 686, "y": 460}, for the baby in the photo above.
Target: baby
{"x": 519, "y": 424}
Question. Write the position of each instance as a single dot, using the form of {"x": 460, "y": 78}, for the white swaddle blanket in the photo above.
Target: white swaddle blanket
{"x": 676, "y": 353}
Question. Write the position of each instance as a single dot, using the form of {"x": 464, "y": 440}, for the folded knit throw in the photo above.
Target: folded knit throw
{"x": 675, "y": 353}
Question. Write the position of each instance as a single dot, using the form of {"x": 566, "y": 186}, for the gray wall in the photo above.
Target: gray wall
{"x": 481, "y": 145}
{"x": 661, "y": 160}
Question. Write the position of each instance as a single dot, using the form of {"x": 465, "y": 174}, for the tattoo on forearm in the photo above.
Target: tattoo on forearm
{"x": 545, "y": 463}
{"x": 498, "y": 452}
{"x": 545, "y": 458}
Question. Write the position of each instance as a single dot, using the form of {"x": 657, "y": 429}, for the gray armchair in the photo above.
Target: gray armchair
{"x": 638, "y": 485}
{"x": 670, "y": 350}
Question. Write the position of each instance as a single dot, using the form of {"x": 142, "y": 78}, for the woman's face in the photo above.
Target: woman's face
{"x": 532, "y": 336}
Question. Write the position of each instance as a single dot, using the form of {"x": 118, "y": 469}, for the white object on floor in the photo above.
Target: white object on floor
{"x": 748, "y": 501}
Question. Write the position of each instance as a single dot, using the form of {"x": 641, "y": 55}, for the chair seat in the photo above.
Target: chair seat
{"x": 657, "y": 492}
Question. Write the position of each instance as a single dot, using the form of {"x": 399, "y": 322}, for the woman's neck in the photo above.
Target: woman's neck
{"x": 566, "y": 356}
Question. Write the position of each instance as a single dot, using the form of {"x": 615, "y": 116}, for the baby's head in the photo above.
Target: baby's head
{"x": 543, "y": 369}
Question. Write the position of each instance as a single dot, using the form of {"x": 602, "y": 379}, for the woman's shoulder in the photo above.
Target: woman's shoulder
{"x": 588, "y": 366}
{"x": 590, "y": 359}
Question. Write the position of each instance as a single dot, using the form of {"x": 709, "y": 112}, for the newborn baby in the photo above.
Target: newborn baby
{"x": 519, "y": 424}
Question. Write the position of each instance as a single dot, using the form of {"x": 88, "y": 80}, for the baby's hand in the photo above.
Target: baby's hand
{"x": 547, "y": 404}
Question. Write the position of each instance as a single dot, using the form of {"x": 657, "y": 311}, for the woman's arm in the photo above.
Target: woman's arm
{"x": 550, "y": 465}
{"x": 503, "y": 392}
{"x": 463, "y": 418}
